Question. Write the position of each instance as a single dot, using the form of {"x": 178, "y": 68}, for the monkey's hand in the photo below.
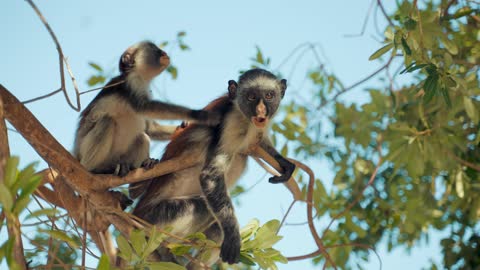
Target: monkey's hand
{"x": 288, "y": 169}
{"x": 148, "y": 163}
{"x": 207, "y": 117}
{"x": 230, "y": 249}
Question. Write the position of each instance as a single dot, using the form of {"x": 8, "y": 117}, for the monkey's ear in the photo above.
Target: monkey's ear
{"x": 232, "y": 89}
{"x": 283, "y": 84}
{"x": 127, "y": 62}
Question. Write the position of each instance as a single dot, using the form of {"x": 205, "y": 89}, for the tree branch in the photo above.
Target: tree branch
{"x": 62, "y": 58}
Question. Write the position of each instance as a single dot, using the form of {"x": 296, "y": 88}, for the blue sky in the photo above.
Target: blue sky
{"x": 223, "y": 36}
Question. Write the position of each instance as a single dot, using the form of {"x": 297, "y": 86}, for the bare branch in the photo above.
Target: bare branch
{"x": 379, "y": 2}
{"x": 365, "y": 21}
{"x": 346, "y": 89}
{"x": 61, "y": 56}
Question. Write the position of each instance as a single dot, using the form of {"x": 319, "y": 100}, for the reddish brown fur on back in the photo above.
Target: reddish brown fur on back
{"x": 178, "y": 146}
{"x": 179, "y": 141}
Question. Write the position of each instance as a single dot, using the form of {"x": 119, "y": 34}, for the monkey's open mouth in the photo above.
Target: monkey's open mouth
{"x": 259, "y": 122}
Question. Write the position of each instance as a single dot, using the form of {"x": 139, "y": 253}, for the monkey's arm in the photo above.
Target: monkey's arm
{"x": 162, "y": 110}
{"x": 287, "y": 166}
{"x": 159, "y": 132}
{"x": 212, "y": 181}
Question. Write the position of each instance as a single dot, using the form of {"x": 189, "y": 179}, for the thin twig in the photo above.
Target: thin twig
{"x": 286, "y": 214}
{"x": 379, "y": 2}
{"x": 346, "y": 89}
{"x": 311, "y": 225}
{"x": 365, "y": 21}
{"x": 61, "y": 59}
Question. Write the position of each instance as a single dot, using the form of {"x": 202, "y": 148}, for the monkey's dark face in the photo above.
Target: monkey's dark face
{"x": 145, "y": 58}
{"x": 258, "y": 95}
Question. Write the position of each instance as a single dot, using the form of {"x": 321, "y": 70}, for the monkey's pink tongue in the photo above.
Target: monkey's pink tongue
{"x": 260, "y": 122}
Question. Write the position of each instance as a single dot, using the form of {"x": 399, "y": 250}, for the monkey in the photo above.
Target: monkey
{"x": 111, "y": 137}
{"x": 197, "y": 199}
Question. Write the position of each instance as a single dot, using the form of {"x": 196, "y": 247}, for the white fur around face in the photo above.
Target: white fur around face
{"x": 261, "y": 83}
{"x": 138, "y": 84}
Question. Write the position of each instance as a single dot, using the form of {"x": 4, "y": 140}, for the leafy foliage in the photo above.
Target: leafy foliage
{"x": 425, "y": 132}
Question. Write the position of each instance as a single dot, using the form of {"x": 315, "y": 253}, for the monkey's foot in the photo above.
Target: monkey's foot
{"x": 122, "y": 169}
{"x": 230, "y": 249}
{"x": 148, "y": 163}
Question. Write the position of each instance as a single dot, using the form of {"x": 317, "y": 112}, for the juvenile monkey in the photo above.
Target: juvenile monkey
{"x": 197, "y": 199}
{"x": 111, "y": 136}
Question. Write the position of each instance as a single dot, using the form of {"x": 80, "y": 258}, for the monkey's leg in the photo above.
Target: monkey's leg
{"x": 137, "y": 155}
{"x": 212, "y": 181}
{"x": 287, "y": 166}
{"x": 96, "y": 145}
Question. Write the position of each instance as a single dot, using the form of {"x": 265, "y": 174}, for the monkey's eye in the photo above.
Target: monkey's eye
{"x": 269, "y": 95}
{"x": 251, "y": 96}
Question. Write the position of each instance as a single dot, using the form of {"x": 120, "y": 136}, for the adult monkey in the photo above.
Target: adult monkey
{"x": 197, "y": 198}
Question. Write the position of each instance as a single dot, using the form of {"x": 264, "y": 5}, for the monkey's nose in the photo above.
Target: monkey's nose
{"x": 162, "y": 53}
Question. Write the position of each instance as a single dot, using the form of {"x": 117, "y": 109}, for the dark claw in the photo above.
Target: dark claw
{"x": 148, "y": 163}
{"x": 230, "y": 249}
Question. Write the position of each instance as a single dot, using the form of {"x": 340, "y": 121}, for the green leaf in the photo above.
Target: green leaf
{"x": 59, "y": 235}
{"x": 405, "y": 46}
{"x": 381, "y": 51}
{"x": 96, "y": 79}
{"x": 446, "y": 96}
{"x": 95, "y": 66}
{"x": 164, "y": 266}
{"x": 430, "y": 87}
{"x": 11, "y": 171}
{"x": 154, "y": 240}
{"x": 50, "y": 212}
{"x": 173, "y": 72}
{"x": 181, "y": 34}
{"x": 246, "y": 259}
{"x": 24, "y": 197}
{"x": 179, "y": 249}
{"x": 472, "y": 112}
{"x": 163, "y": 44}
{"x": 6, "y": 198}
{"x": 103, "y": 263}
{"x": 249, "y": 230}
{"x": 449, "y": 45}
{"x": 24, "y": 177}
{"x": 259, "y": 58}
{"x": 137, "y": 238}
{"x": 184, "y": 47}
{"x": 126, "y": 251}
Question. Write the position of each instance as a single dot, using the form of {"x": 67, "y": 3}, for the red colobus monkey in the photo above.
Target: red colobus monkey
{"x": 197, "y": 199}
{"x": 111, "y": 136}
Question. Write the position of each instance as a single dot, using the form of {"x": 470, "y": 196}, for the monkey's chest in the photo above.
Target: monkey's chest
{"x": 128, "y": 127}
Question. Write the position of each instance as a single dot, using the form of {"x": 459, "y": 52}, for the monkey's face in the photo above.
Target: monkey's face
{"x": 258, "y": 100}
{"x": 146, "y": 59}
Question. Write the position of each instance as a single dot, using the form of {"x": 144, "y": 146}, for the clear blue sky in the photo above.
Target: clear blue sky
{"x": 223, "y": 36}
